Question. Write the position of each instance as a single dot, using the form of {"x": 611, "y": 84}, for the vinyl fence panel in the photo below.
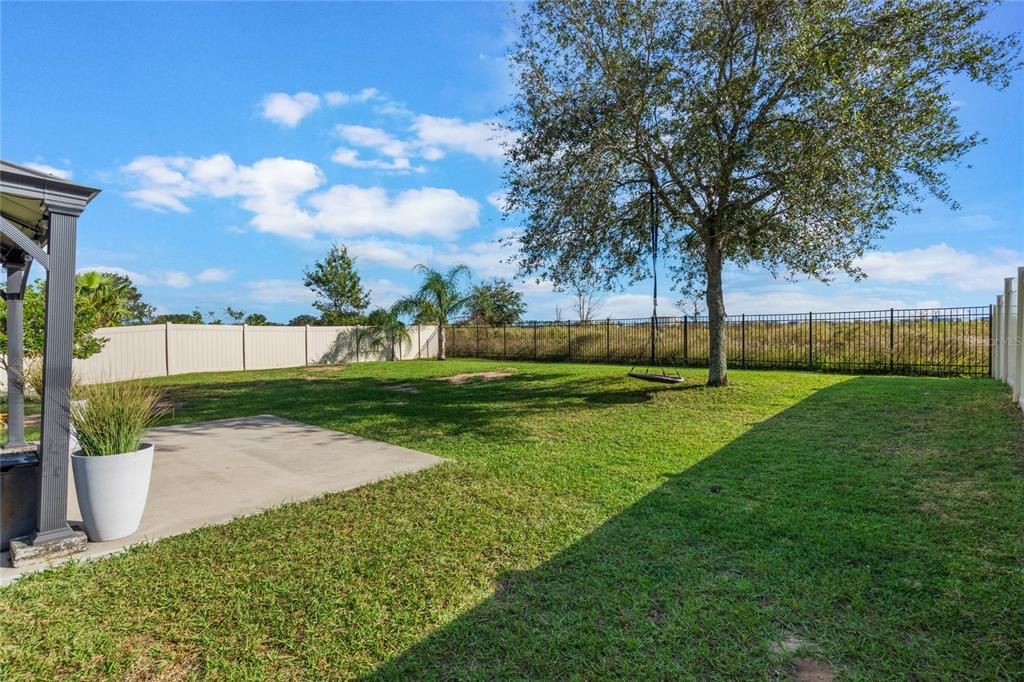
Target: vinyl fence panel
{"x": 204, "y": 348}
{"x": 274, "y": 347}
{"x": 129, "y": 353}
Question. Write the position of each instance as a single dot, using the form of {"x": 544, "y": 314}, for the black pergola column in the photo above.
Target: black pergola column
{"x": 16, "y": 273}
{"x": 51, "y": 520}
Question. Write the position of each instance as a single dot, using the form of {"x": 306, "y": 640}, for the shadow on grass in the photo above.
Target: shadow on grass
{"x": 801, "y": 543}
{"x": 487, "y": 409}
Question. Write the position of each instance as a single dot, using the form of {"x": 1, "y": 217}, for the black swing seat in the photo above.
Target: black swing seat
{"x": 657, "y": 378}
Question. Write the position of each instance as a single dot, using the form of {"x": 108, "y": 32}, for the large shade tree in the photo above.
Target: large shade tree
{"x": 784, "y": 133}
{"x": 440, "y": 298}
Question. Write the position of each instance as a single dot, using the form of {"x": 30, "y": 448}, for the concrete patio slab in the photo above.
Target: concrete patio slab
{"x": 208, "y": 473}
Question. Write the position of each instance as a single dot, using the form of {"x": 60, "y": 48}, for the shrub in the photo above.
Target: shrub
{"x": 114, "y": 417}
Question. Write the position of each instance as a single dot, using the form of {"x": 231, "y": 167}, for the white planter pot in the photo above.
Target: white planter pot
{"x": 112, "y": 491}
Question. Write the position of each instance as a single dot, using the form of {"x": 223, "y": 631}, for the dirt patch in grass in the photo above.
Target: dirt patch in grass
{"x": 317, "y": 369}
{"x": 790, "y": 644}
{"x": 806, "y": 669}
{"x": 468, "y": 377}
{"x": 318, "y": 372}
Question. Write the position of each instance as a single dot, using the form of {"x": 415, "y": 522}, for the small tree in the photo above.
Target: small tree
{"x": 780, "y": 132}
{"x": 691, "y": 306}
{"x": 439, "y": 299}
{"x": 340, "y": 296}
{"x": 586, "y": 298}
{"x": 236, "y": 316}
{"x": 496, "y": 303}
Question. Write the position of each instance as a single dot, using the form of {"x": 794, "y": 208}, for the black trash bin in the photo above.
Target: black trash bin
{"x": 19, "y": 495}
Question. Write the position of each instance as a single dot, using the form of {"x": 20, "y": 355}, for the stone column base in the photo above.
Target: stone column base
{"x": 24, "y": 554}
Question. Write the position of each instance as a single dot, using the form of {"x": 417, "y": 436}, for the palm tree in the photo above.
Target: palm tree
{"x": 106, "y": 295}
{"x": 438, "y": 299}
{"x": 384, "y": 331}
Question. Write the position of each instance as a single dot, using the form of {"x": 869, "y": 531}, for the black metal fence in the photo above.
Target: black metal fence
{"x": 932, "y": 341}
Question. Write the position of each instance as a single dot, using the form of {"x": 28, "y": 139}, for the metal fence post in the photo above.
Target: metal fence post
{"x": 892, "y": 339}
{"x": 686, "y": 340}
{"x": 743, "y": 340}
{"x": 568, "y": 336}
{"x": 991, "y": 342}
{"x": 810, "y": 340}
{"x": 504, "y": 340}
{"x": 607, "y": 340}
{"x": 478, "y": 339}
{"x": 535, "y": 356}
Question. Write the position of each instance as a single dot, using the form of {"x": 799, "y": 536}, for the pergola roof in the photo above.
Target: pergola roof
{"x": 26, "y": 197}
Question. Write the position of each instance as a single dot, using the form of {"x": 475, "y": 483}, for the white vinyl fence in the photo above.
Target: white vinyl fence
{"x": 1008, "y": 335}
{"x": 165, "y": 349}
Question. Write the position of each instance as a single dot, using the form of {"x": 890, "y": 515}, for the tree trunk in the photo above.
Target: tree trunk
{"x": 717, "y": 370}
{"x": 440, "y": 342}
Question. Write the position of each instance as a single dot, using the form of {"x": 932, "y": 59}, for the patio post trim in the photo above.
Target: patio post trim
{"x": 51, "y": 518}
{"x": 14, "y": 295}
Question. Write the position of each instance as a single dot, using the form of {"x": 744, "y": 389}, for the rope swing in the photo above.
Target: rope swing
{"x": 649, "y": 374}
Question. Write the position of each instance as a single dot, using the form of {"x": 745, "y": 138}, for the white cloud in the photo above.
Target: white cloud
{"x": 482, "y": 139}
{"x": 278, "y": 192}
{"x": 394, "y": 254}
{"x": 62, "y": 173}
{"x": 498, "y": 200}
{"x": 213, "y": 275}
{"x": 374, "y": 138}
{"x": 346, "y": 210}
{"x": 792, "y": 299}
{"x": 942, "y": 265}
{"x": 336, "y": 98}
{"x": 350, "y": 157}
{"x": 273, "y": 291}
{"x": 136, "y": 277}
{"x": 486, "y": 259}
{"x": 385, "y": 292}
{"x": 178, "y": 280}
{"x": 289, "y": 110}
{"x": 432, "y": 138}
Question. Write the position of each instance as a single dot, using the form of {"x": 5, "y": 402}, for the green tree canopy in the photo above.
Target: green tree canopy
{"x": 194, "y": 317}
{"x": 780, "y": 132}
{"x": 340, "y": 296}
{"x": 439, "y": 299}
{"x": 91, "y": 313}
{"x": 495, "y": 303}
{"x": 303, "y": 320}
{"x": 257, "y": 320}
{"x": 115, "y": 300}
{"x": 235, "y": 315}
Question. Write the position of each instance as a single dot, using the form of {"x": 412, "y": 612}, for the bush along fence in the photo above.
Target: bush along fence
{"x": 931, "y": 341}
{"x": 1008, "y": 336}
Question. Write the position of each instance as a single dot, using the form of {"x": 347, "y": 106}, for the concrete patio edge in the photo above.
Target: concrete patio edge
{"x": 210, "y": 473}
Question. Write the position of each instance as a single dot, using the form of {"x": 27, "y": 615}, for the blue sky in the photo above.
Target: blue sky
{"x": 235, "y": 142}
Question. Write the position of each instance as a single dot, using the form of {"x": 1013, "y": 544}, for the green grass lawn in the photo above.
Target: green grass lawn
{"x": 587, "y": 527}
